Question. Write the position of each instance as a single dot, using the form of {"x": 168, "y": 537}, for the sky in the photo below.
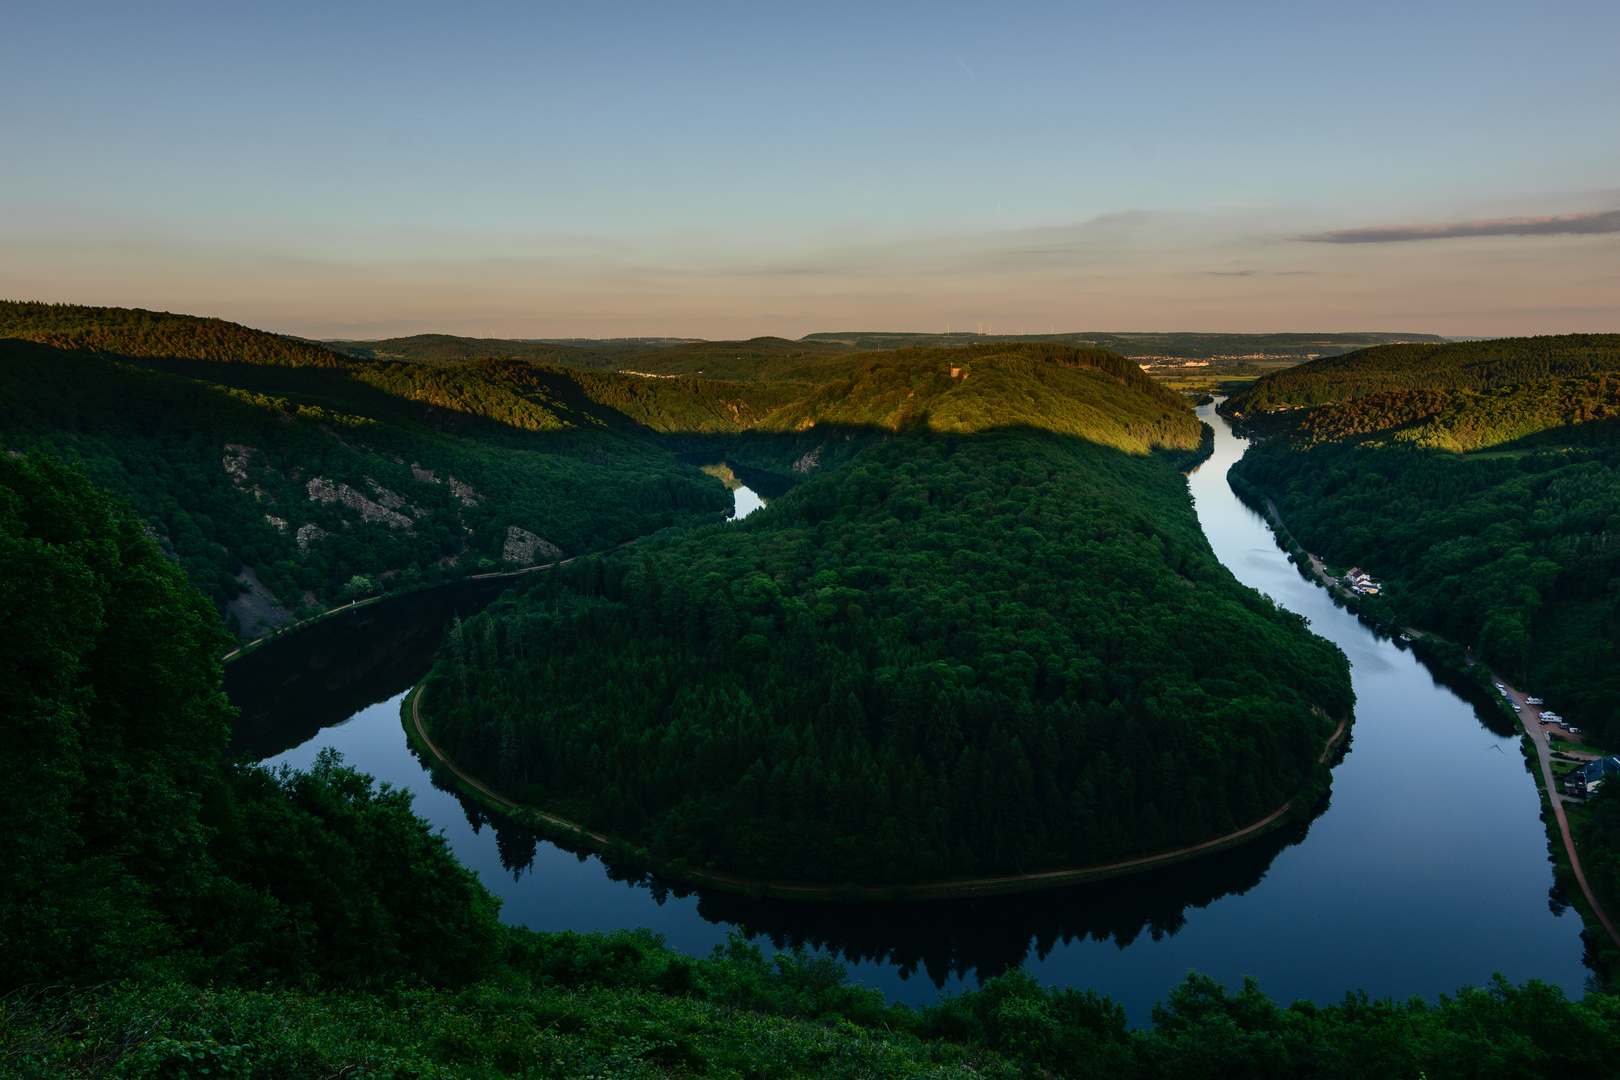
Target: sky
{"x": 344, "y": 170}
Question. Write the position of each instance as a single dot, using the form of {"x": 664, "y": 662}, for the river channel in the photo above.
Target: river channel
{"x": 1427, "y": 868}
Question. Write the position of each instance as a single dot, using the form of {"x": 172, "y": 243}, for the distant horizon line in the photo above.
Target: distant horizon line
{"x": 690, "y": 338}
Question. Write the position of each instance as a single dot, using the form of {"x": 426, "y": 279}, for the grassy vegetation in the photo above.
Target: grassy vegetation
{"x": 624, "y": 1005}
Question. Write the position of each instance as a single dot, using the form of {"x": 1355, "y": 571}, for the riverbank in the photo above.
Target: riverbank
{"x": 299, "y": 624}
{"x": 561, "y": 830}
{"x": 1538, "y": 737}
{"x": 1568, "y": 868}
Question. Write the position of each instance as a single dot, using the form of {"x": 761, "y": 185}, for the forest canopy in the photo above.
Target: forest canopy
{"x": 1404, "y": 368}
{"x": 952, "y": 652}
{"x": 133, "y": 848}
{"x": 286, "y": 477}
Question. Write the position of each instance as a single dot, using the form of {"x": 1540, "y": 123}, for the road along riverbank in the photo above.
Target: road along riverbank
{"x": 1539, "y": 737}
{"x": 559, "y": 828}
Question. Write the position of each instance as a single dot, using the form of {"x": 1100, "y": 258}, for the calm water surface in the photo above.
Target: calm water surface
{"x": 1427, "y": 869}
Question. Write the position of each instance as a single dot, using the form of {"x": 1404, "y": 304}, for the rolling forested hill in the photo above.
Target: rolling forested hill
{"x": 138, "y": 333}
{"x": 286, "y": 477}
{"x": 1404, "y": 369}
{"x": 762, "y": 358}
{"x": 586, "y": 354}
{"x": 283, "y": 476}
{"x": 964, "y": 645}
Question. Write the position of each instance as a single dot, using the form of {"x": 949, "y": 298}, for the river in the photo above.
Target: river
{"x": 1426, "y": 870}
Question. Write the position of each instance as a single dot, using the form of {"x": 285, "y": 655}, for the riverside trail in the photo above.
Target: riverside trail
{"x": 976, "y": 886}
{"x": 1529, "y": 716}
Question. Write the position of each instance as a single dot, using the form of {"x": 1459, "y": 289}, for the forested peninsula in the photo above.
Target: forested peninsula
{"x": 1481, "y": 482}
{"x": 991, "y": 639}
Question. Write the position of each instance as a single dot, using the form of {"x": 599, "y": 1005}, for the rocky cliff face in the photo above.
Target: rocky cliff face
{"x": 524, "y": 548}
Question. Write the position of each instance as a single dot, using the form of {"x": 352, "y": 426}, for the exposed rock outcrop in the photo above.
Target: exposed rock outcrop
{"x": 309, "y": 534}
{"x": 524, "y": 548}
{"x": 323, "y": 491}
{"x": 257, "y": 608}
{"x": 464, "y": 492}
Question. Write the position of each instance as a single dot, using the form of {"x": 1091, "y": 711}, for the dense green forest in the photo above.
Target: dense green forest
{"x": 449, "y": 349}
{"x": 1492, "y": 509}
{"x": 135, "y": 332}
{"x": 960, "y": 647}
{"x": 133, "y": 848}
{"x": 166, "y": 913}
{"x": 762, "y": 358}
{"x": 286, "y": 478}
{"x": 1403, "y": 369}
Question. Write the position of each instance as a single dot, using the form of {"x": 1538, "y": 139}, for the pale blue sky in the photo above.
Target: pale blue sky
{"x": 350, "y": 170}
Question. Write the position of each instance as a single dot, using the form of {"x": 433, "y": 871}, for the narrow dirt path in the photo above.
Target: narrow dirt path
{"x": 964, "y": 886}
{"x": 1530, "y": 717}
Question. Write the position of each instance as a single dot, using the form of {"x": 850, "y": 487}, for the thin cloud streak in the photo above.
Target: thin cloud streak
{"x": 1588, "y": 223}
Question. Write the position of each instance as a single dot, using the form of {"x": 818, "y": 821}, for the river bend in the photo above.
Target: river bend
{"x": 1427, "y": 869}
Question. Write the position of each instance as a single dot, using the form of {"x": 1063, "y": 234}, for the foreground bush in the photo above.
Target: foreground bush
{"x": 625, "y": 1005}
